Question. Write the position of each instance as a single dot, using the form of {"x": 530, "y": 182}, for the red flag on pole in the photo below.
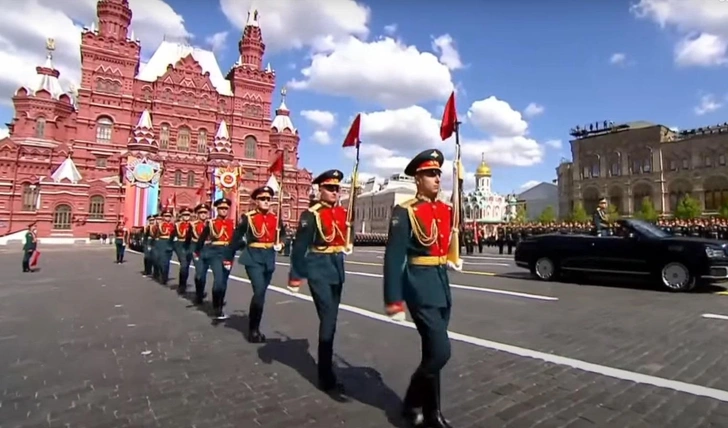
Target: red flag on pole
{"x": 277, "y": 165}
{"x": 352, "y": 138}
{"x": 449, "y": 122}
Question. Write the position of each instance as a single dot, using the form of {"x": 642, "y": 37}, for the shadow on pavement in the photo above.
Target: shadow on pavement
{"x": 363, "y": 384}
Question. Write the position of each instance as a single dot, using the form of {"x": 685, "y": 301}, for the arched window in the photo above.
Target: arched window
{"x": 62, "y": 217}
{"x": 40, "y": 124}
{"x": 96, "y": 208}
{"x": 191, "y": 179}
{"x": 178, "y": 178}
{"x": 202, "y": 141}
{"x": 183, "y": 139}
{"x": 30, "y": 197}
{"x": 250, "y": 147}
{"x": 164, "y": 136}
{"x": 104, "y": 130}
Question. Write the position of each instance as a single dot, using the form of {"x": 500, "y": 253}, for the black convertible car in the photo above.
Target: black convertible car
{"x": 637, "y": 249}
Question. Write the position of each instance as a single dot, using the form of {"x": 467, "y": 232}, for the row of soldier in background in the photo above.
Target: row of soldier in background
{"x": 507, "y": 235}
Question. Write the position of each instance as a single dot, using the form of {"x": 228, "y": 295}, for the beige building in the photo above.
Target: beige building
{"x": 626, "y": 163}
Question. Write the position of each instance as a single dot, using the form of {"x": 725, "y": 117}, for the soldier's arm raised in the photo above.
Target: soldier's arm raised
{"x": 395, "y": 260}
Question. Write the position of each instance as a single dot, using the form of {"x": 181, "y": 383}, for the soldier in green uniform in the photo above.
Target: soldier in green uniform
{"x": 318, "y": 256}
{"x": 257, "y": 235}
{"x": 163, "y": 246}
{"x": 121, "y": 241}
{"x": 201, "y": 262}
{"x": 182, "y": 249}
{"x": 30, "y": 245}
{"x": 469, "y": 240}
{"x": 601, "y": 224}
{"x": 415, "y": 274}
{"x": 148, "y": 243}
{"x": 156, "y": 268}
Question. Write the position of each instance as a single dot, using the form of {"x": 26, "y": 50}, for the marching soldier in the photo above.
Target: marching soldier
{"x": 163, "y": 245}
{"x": 256, "y": 235}
{"x": 155, "y": 231}
{"x": 415, "y": 274}
{"x": 219, "y": 232}
{"x": 201, "y": 263}
{"x": 148, "y": 243}
{"x": 30, "y": 245}
{"x": 469, "y": 236}
{"x": 501, "y": 238}
{"x": 318, "y": 256}
{"x": 121, "y": 240}
{"x": 182, "y": 249}
{"x": 601, "y": 223}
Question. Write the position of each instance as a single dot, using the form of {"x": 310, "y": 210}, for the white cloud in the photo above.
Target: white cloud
{"x": 321, "y": 119}
{"x": 702, "y": 23}
{"x": 390, "y": 29}
{"x": 22, "y": 40}
{"x": 385, "y": 71}
{"x": 321, "y": 137}
{"x": 4, "y": 133}
{"x": 296, "y": 24}
{"x": 708, "y": 104}
{"x": 528, "y": 185}
{"x": 217, "y": 41}
{"x": 618, "y": 58}
{"x": 496, "y": 117}
{"x": 445, "y": 46}
{"x": 554, "y": 144}
{"x": 533, "y": 110}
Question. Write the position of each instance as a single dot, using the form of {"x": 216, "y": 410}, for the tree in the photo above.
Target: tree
{"x": 723, "y": 211}
{"x": 520, "y": 214}
{"x": 688, "y": 208}
{"x": 579, "y": 214}
{"x": 548, "y": 215}
{"x": 647, "y": 210}
{"x": 612, "y": 213}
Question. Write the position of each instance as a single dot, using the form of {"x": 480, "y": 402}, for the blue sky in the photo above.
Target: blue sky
{"x": 557, "y": 55}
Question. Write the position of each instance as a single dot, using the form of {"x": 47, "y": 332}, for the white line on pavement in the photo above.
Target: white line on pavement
{"x": 715, "y": 316}
{"x": 688, "y": 388}
{"x": 477, "y": 263}
{"x": 463, "y": 287}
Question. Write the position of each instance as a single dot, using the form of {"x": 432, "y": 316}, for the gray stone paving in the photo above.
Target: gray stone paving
{"x": 86, "y": 343}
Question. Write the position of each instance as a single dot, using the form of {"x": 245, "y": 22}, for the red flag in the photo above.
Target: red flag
{"x": 449, "y": 122}
{"x": 277, "y": 165}
{"x": 352, "y": 138}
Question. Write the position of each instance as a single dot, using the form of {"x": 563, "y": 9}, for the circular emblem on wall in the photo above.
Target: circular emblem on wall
{"x": 227, "y": 179}
{"x": 142, "y": 173}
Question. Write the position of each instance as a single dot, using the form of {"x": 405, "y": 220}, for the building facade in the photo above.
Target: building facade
{"x": 484, "y": 207}
{"x": 135, "y": 136}
{"x": 539, "y": 197}
{"x": 630, "y": 162}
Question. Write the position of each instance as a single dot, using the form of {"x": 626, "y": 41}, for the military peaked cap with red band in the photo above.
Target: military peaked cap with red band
{"x": 427, "y": 160}
{"x": 223, "y": 203}
{"x": 185, "y": 210}
{"x": 167, "y": 212}
{"x": 262, "y": 190}
{"x": 331, "y": 177}
{"x": 202, "y": 207}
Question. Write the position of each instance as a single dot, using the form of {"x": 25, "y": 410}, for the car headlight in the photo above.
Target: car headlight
{"x": 714, "y": 253}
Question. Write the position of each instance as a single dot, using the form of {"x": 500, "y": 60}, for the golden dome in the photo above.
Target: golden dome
{"x": 483, "y": 169}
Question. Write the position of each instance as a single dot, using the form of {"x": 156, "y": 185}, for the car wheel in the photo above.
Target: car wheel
{"x": 675, "y": 276}
{"x": 545, "y": 269}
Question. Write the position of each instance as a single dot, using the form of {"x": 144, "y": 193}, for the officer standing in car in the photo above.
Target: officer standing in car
{"x": 601, "y": 222}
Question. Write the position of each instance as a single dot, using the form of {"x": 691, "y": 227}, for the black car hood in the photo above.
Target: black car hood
{"x": 689, "y": 240}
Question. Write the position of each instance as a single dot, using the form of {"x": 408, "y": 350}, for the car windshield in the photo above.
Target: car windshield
{"x": 647, "y": 229}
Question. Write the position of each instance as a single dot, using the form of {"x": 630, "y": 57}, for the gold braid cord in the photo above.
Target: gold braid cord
{"x": 213, "y": 233}
{"x": 418, "y": 231}
{"x": 256, "y": 233}
{"x": 327, "y": 238}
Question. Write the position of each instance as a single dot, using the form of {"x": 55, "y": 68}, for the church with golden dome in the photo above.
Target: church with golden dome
{"x": 482, "y": 205}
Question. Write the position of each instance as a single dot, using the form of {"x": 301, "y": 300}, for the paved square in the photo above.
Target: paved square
{"x": 87, "y": 343}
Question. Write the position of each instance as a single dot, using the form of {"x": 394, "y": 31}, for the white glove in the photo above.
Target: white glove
{"x": 349, "y": 249}
{"x": 398, "y": 317}
{"x": 455, "y": 267}
{"x": 293, "y": 289}
{"x": 277, "y": 247}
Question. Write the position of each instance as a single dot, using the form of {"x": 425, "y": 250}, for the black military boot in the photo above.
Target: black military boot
{"x": 431, "y": 407}
{"x": 217, "y": 303}
{"x": 413, "y": 401}
{"x": 26, "y": 267}
{"x": 255, "y": 314}
{"x": 199, "y": 292}
{"x": 327, "y": 379}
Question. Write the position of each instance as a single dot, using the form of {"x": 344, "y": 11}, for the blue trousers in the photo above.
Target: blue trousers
{"x": 184, "y": 257}
{"x": 260, "y": 279}
{"x": 432, "y": 324}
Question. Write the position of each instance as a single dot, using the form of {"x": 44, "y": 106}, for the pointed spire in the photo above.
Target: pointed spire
{"x": 268, "y": 68}
{"x": 47, "y": 77}
{"x": 283, "y": 121}
{"x": 67, "y": 171}
{"x": 251, "y": 46}
{"x": 222, "y": 149}
{"x": 142, "y": 137}
{"x": 252, "y": 16}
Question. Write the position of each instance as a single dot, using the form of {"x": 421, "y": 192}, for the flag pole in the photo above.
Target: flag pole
{"x": 280, "y": 199}
{"x": 352, "y": 139}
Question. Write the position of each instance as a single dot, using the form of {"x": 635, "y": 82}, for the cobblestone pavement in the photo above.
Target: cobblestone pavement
{"x": 86, "y": 343}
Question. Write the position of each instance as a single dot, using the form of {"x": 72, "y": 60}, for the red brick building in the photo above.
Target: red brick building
{"x": 63, "y": 163}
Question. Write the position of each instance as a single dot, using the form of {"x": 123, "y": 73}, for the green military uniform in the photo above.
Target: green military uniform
{"x": 121, "y": 239}
{"x": 318, "y": 256}
{"x": 257, "y": 236}
{"x": 147, "y": 244}
{"x": 415, "y": 273}
{"x": 181, "y": 248}
{"x": 29, "y": 247}
{"x": 201, "y": 259}
{"x": 601, "y": 225}
{"x": 216, "y": 237}
{"x": 163, "y": 246}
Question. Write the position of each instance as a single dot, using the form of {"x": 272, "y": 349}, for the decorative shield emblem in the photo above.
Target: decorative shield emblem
{"x": 227, "y": 179}
{"x": 143, "y": 173}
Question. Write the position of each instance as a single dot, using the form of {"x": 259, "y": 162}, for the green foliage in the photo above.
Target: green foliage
{"x": 520, "y": 214}
{"x": 548, "y": 215}
{"x": 647, "y": 210}
{"x": 723, "y": 211}
{"x": 612, "y": 213}
{"x": 688, "y": 208}
{"x": 579, "y": 214}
